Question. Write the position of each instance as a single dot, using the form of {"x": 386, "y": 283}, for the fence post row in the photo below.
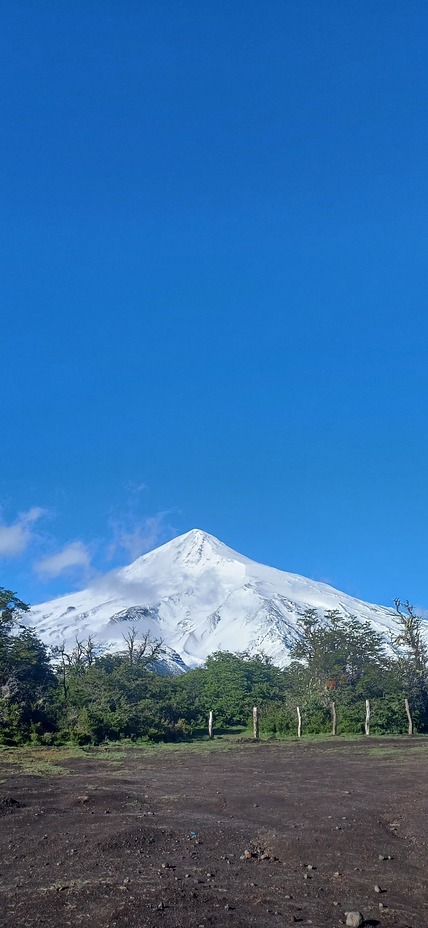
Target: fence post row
{"x": 256, "y": 726}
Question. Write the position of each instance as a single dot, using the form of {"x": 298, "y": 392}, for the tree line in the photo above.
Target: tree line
{"x": 87, "y": 695}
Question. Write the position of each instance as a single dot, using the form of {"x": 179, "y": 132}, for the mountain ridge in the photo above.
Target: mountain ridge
{"x": 199, "y": 596}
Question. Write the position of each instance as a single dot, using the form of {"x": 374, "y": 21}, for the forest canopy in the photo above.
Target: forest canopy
{"x": 86, "y": 695}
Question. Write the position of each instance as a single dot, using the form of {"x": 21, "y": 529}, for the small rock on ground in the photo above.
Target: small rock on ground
{"x": 354, "y": 919}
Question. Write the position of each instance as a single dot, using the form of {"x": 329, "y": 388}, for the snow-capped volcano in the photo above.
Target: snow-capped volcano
{"x": 198, "y": 596}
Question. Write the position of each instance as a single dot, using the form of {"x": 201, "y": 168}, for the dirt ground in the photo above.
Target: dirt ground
{"x": 143, "y": 838}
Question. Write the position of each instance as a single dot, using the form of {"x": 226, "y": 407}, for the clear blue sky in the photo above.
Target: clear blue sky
{"x": 214, "y": 287}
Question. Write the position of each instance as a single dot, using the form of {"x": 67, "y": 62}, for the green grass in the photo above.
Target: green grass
{"x": 38, "y": 761}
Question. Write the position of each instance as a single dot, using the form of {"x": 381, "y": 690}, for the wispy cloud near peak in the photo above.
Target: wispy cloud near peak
{"x": 75, "y": 556}
{"x": 136, "y": 537}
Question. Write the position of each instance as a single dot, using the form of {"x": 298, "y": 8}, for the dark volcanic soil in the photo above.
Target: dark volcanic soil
{"x": 157, "y": 838}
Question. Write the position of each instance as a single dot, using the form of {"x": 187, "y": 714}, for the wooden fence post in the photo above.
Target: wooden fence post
{"x": 255, "y": 723}
{"x": 334, "y": 718}
{"x": 299, "y": 722}
{"x": 367, "y": 722}
{"x": 409, "y": 716}
{"x": 210, "y": 724}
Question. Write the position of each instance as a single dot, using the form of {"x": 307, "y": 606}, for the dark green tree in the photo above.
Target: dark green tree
{"x": 344, "y": 660}
{"x": 26, "y": 676}
{"x": 233, "y": 683}
{"x": 411, "y": 652}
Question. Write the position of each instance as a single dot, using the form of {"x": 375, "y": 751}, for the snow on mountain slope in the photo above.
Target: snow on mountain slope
{"x": 198, "y": 596}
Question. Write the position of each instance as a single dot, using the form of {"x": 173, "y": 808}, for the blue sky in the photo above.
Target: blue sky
{"x": 214, "y": 224}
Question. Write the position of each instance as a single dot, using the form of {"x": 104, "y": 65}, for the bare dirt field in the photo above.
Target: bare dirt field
{"x": 157, "y": 837}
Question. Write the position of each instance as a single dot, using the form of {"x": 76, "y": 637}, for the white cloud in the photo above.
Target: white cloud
{"x": 33, "y": 514}
{"x": 74, "y": 556}
{"x": 136, "y": 537}
{"x": 15, "y": 537}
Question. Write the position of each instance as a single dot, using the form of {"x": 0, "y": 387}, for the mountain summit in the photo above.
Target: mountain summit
{"x": 198, "y": 596}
